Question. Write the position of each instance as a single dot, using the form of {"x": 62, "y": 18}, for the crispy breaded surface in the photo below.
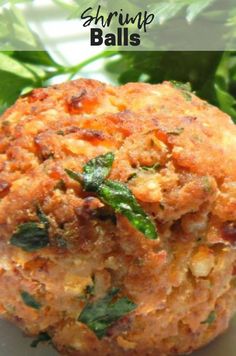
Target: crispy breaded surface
{"x": 176, "y": 281}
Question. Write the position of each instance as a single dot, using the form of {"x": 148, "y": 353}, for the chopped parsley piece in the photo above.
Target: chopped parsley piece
{"x": 207, "y": 187}
{"x": 32, "y": 236}
{"x": 42, "y": 337}
{"x": 100, "y": 315}
{"x": 211, "y": 318}
{"x": 30, "y": 301}
{"x": 115, "y": 194}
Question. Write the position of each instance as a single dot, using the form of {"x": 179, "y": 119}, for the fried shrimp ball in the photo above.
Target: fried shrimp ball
{"x": 117, "y": 218}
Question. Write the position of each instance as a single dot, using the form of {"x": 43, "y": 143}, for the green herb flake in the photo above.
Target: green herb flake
{"x": 100, "y": 315}
{"x": 182, "y": 86}
{"x": 42, "y": 337}
{"x": 206, "y": 184}
{"x": 120, "y": 198}
{"x": 32, "y": 236}
{"x": 154, "y": 167}
{"x": 42, "y": 217}
{"x": 211, "y": 318}
{"x": 30, "y": 301}
{"x": 185, "y": 89}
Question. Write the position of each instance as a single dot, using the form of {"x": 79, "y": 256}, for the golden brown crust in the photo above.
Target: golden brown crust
{"x": 176, "y": 281}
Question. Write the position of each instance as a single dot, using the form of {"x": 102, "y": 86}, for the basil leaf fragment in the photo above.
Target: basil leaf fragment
{"x": 120, "y": 198}
{"x": 75, "y": 176}
{"x": 115, "y": 194}
{"x": 96, "y": 171}
{"x": 32, "y": 236}
{"x": 42, "y": 337}
{"x": 103, "y": 313}
{"x": 30, "y": 301}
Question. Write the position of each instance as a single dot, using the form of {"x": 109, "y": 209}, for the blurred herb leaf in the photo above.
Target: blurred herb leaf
{"x": 15, "y": 28}
{"x": 166, "y": 10}
{"x": 8, "y": 91}
{"x": 103, "y": 313}
{"x": 29, "y": 300}
{"x": 36, "y": 57}
{"x": 15, "y": 76}
{"x": 196, "y": 7}
{"x": 10, "y": 65}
